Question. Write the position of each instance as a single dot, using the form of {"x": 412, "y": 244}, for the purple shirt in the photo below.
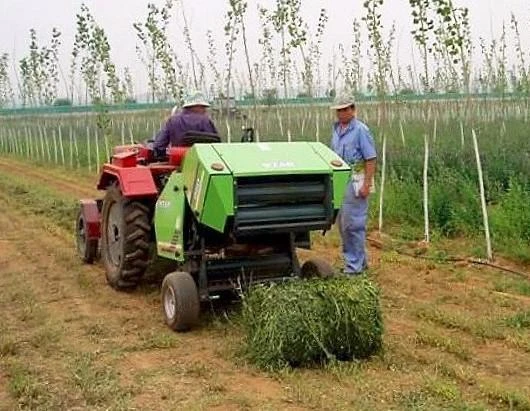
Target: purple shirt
{"x": 176, "y": 127}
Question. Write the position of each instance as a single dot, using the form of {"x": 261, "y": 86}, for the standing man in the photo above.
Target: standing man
{"x": 192, "y": 117}
{"x": 353, "y": 142}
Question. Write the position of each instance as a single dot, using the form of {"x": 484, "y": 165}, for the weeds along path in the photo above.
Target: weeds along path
{"x": 6, "y": 402}
{"x": 68, "y": 340}
{"x": 65, "y": 181}
{"x": 457, "y": 337}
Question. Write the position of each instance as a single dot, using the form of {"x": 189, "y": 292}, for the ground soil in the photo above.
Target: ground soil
{"x": 68, "y": 341}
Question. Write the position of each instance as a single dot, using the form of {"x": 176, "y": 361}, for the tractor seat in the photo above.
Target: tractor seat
{"x": 176, "y": 154}
{"x": 199, "y": 137}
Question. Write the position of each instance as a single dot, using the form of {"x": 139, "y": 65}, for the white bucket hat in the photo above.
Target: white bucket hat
{"x": 195, "y": 99}
{"x": 343, "y": 101}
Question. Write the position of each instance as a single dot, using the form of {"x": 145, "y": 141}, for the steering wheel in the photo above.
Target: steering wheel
{"x": 200, "y": 137}
{"x": 248, "y": 135}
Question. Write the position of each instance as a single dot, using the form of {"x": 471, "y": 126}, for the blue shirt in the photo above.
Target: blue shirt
{"x": 176, "y": 127}
{"x": 354, "y": 144}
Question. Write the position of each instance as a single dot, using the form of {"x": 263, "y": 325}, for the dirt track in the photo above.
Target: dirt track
{"x": 68, "y": 341}
{"x": 67, "y": 182}
{"x": 96, "y": 319}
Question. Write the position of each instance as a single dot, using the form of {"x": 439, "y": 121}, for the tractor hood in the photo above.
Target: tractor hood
{"x": 251, "y": 159}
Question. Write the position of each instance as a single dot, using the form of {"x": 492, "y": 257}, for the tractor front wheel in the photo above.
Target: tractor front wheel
{"x": 180, "y": 301}
{"x": 125, "y": 232}
{"x": 317, "y": 268}
{"x": 87, "y": 249}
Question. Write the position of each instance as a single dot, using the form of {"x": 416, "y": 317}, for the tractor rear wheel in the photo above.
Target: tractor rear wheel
{"x": 125, "y": 233}
{"x": 180, "y": 301}
{"x": 316, "y": 268}
{"x": 86, "y": 249}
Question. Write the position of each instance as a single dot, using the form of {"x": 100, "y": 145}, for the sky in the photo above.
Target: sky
{"x": 117, "y": 16}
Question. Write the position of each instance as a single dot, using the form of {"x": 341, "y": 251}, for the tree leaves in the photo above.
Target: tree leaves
{"x": 157, "y": 53}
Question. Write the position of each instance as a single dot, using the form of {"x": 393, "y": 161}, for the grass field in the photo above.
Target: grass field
{"x": 457, "y": 335}
{"x": 455, "y": 308}
{"x": 454, "y": 204}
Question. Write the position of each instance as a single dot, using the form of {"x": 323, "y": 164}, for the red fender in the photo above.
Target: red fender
{"x": 134, "y": 181}
{"x": 176, "y": 155}
{"x": 92, "y": 217}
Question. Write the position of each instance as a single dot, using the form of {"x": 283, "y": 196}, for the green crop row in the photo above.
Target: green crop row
{"x": 454, "y": 203}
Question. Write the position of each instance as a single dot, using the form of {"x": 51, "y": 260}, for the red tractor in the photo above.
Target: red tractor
{"x": 118, "y": 228}
{"x": 226, "y": 216}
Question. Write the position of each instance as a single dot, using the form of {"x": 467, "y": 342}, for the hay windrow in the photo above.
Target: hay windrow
{"x": 303, "y": 323}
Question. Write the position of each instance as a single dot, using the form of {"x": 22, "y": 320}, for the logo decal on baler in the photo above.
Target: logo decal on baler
{"x": 275, "y": 165}
{"x": 169, "y": 248}
{"x": 264, "y": 147}
{"x": 163, "y": 204}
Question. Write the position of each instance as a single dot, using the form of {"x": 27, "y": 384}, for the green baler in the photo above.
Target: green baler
{"x": 228, "y": 215}
{"x": 236, "y": 212}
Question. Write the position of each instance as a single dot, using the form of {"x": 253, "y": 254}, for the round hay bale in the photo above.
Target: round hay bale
{"x": 306, "y": 322}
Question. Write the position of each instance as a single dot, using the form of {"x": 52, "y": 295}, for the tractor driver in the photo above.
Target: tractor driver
{"x": 353, "y": 142}
{"x": 192, "y": 117}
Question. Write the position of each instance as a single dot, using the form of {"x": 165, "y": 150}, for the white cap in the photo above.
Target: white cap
{"x": 343, "y": 101}
{"x": 195, "y": 99}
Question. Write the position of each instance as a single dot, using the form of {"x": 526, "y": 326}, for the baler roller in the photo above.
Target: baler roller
{"x": 282, "y": 193}
{"x": 308, "y": 212}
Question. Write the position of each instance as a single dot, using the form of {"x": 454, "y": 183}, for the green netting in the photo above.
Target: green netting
{"x": 27, "y": 111}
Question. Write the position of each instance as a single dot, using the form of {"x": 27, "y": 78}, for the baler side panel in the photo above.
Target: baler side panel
{"x": 341, "y": 174}
{"x": 201, "y": 165}
{"x": 340, "y": 185}
{"x": 189, "y": 172}
{"x": 219, "y": 202}
{"x": 169, "y": 219}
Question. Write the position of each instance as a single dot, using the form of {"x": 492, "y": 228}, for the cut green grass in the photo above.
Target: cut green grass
{"x": 97, "y": 331}
{"x": 31, "y": 389}
{"x": 511, "y": 330}
{"x": 429, "y": 337}
{"x": 512, "y": 285}
{"x": 310, "y": 322}
{"x": 28, "y": 310}
{"x": 501, "y": 396}
{"x": 98, "y": 383}
{"x": 47, "y": 337}
{"x": 159, "y": 339}
{"x": 486, "y": 328}
{"x": 520, "y": 320}
{"x": 8, "y": 346}
{"x": 437, "y": 393}
{"x": 40, "y": 201}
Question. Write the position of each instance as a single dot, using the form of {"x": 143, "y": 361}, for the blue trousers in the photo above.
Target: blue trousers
{"x": 352, "y": 221}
